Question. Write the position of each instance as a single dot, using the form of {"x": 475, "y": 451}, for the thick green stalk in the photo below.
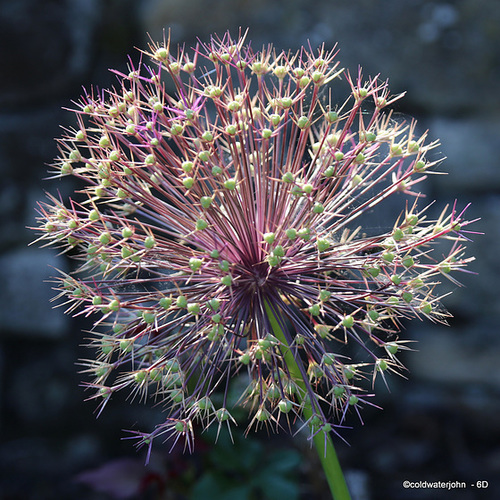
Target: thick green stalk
{"x": 322, "y": 439}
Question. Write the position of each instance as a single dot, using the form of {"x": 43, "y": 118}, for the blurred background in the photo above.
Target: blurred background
{"x": 439, "y": 425}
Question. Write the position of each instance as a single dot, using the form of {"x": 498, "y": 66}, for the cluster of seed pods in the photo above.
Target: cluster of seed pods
{"x": 223, "y": 194}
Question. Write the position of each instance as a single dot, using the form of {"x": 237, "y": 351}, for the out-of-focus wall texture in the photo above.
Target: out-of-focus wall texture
{"x": 440, "y": 424}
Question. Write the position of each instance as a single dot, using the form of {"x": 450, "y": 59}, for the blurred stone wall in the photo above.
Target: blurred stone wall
{"x": 446, "y": 54}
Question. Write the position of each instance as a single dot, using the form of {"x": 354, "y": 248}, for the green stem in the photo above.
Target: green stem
{"x": 322, "y": 439}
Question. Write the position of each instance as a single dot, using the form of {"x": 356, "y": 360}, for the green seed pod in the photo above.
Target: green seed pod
{"x": 360, "y": 159}
{"x": 206, "y": 201}
{"x": 215, "y": 333}
{"x": 150, "y": 160}
{"x": 408, "y": 261}
{"x": 176, "y": 129}
{"x": 328, "y": 358}
{"x": 266, "y": 133}
{"x": 396, "y": 150}
{"x": 148, "y": 316}
{"x": 304, "y": 233}
{"x": 204, "y": 156}
{"x": 262, "y": 415}
{"x": 388, "y": 256}
{"x": 407, "y": 297}
{"x": 323, "y": 244}
{"x": 230, "y": 184}
{"x": 273, "y": 260}
{"x": 205, "y": 404}
{"x": 318, "y": 77}
{"x": 381, "y": 365}
{"x": 419, "y": 166}
{"x": 445, "y": 267}
{"x": 349, "y": 372}
{"x": 373, "y": 315}
{"x": 105, "y": 238}
{"x": 66, "y": 168}
{"x": 222, "y": 414}
{"x": 356, "y": 180}
{"x": 165, "y": 302}
{"x": 216, "y": 318}
{"x": 348, "y": 321}
{"x": 114, "y": 305}
{"x": 353, "y": 400}
{"x": 338, "y": 391}
{"x": 273, "y": 392}
{"x": 94, "y": 215}
{"x": 193, "y": 308}
{"x": 227, "y": 280}
{"x": 207, "y": 136}
{"x": 291, "y": 233}
{"x": 373, "y": 271}
{"x": 126, "y": 345}
{"x": 244, "y": 358}
{"x": 303, "y": 122}
{"x": 279, "y": 251}
{"x": 322, "y": 330}
{"x": 181, "y": 301}
{"x": 188, "y": 182}
{"x": 187, "y": 166}
{"x": 329, "y": 171}
{"x": 324, "y": 295}
{"x": 392, "y": 301}
{"x": 285, "y": 406}
{"x": 195, "y": 264}
{"x": 201, "y": 224}
{"x": 413, "y": 147}
{"x": 307, "y": 188}
{"x": 231, "y": 130}
{"x": 304, "y": 82}
{"x": 149, "y": 242}
{"x": 122, "y": 194}
{"x": 391, "y": 347}
{"x": 425, "y": 307}
{"x": 398, "y": 234}
{"x": 105, "y": 392}
{"x": 130, "y": 129}
{"x": 396, "y": 279}
{"x": 114, "y": 155}
{"x": 106, "y": 348}
{"x": 140, "y": 376}
{"x": 161, "y": 54}
{"x": 362, "y": 92}
{"x": 339, "y": 156}
{"x": 224, "y": 265}
{"x": 177, "y": 396}
{"x": 288, "y": 177}
{"x": 171, "y": 381}
{"x": 214, "y": 304}
{"x": 318, "y": 208}
{"x": 269, "y": 238}
{"x": 315, "y": 310}
{"x": 127, "y": 232}
{"x": 331, "y": 116}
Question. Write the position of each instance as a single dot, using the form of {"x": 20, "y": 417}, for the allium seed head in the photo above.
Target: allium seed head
{"x": 216, "y": 216}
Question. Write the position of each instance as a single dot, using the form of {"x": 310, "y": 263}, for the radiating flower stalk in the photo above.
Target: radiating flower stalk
{"x": 218, "y": 235}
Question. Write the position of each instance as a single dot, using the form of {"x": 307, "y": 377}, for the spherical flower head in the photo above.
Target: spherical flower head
{"x": 218, "y": 234}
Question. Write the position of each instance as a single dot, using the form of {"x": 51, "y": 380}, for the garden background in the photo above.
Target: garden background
{"x": 440, "y": 424}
